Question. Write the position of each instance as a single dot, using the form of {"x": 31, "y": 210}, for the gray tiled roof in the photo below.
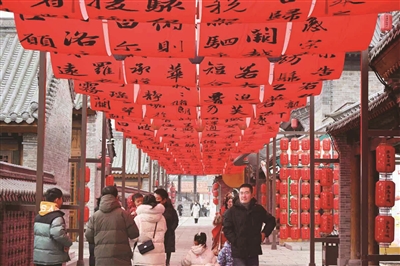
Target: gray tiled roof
{"x": 380, "y": 40}
{"x": 132, "y": 155}
{"x": 78, "y": 101}
{"x": 19, "y": 78}
{"x": 24, "y": 186}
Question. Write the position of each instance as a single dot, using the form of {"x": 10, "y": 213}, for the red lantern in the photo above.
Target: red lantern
{"x": 317, "y": 218}
{"x": 326, "y": 177}
{"x": 277, "y": 199}
{"x": 215, "y": 193}
{"x": 326, "y": 156}
{"x": 283, "y": 204}
{"x": 108, "y": 161}
{"x": 335, "y": 174}
{"x": 326, "y": 144}
{"x": 305, "y": 173}
{"x": 87, "y": 174}
{"x": 317, "y": 144}
{"x": 384, "y": 229}
{"x": 283, "y": 217}
{"x": 157, "y": 183}
{"x": 283, "y": 187}
{"x": 294, "y": 202}
{"x": 215, "y": 201}
{"x": 317, "y": 173}
{"x": 215, "y": 186}
{"x": 284, "y": 158}
{"x": 294, "y": 218}
{"x": 294, "y": 144}
{"x": 326, "y": 222}
{"x": 336, "y": 218}
{"x": 284, "y": 173}
{"x": 109, "y": 180}
{"x": 385, "y": 158}
{"x": 385, "y": 22}
{"x": 305, "y": 188}
{"x": 284, "y": 232}
{"x": 284, "y": 144}
{"x": 294, "y": 233}
{"x": 317, "y": 203}
{"x": 384, "y": 193}
{"x": 277, "y": 184}
{"x": 87, "y": 194}
{"x": 263, "y": 188}
{"x": 317, "y": 232}
{"x": 305, "y": 144}
{"x": 305, "y": 217}
{"x": 305, "y": 158}
{"x": 294, "y": 188}
{"x": 305, "y": 233}
{"x": 317, "y": 188}
{"x": 294, "y": 158}
{"x": 305, "y": 203}
{"x": 86, "y": 214}
{"x": 263, "y": 200}
{"x": 277, "y": 213}
{"x": 296, "y": 173}
{"x": 294, "y": 123}
{"x": 336, "y": 203}
{"x": 327, "y": 200}
{"x": 336, "y": 188}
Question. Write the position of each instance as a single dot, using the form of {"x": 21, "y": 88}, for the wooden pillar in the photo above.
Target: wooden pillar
{"x": 373, "y": 177}
{"x": 354, "y": 208}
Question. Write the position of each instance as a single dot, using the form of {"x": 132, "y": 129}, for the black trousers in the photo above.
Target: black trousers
{"x": 196, "y": 220}
{"x": 48, "y": 265}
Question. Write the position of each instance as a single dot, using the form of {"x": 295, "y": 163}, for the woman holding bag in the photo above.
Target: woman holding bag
{"x": 152, "y": 227}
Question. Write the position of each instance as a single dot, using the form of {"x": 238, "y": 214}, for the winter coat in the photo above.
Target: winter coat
{"x": 242, "y": 228}
{"x": 199, "y": 256}
{"x": 225, "y": 255}
{"x": 171, "y": 217}
{"x": 196, "y": 211}
{"x": 50, "y": 242}
{"x": 146, "y": 221}
{"x": 110, "y": 229}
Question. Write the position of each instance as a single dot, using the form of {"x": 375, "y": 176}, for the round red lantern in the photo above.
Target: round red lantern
{"x": 284, "y": 158}
{"x": 327, "y": 200}
{"x": 305, "y": 217}
{"x": 305, "y": 203}
{"x": 386, "y": 22}
{"x": 326, "y": 156}
{"x": 384, "y": 230}
{"x": 294, "y": 202}
{"x": 215, "y": 201}
{"x": 317, "y": 188}
{"x": 294, "y": 144}
{"x": 87, "y": 174}
{"x": 336, "y": 188}
{"x": 263, "y": 200}
{"x": 305, "y": 188}
{"x": 294, "y": 123}
{"x": 294, "y": 159}
{"x": 385, "y": 158}
{"x": 317, "y": 218}
{"x": 317, "y": 203}
{"x": 215, "y": 186}
{"x": 326, "y": 177}
{"x": 305, "y": 158}
{"x": 317, "y": 144}
{"x": 294, "y": 187}
{"x": 326, "y": 144}
{"x": 294, "y": 233}
{"x": 384, "y": 193}
{"x": 87, "y": 194}
{"x": 336, "y": 203}
{"x": 294, "y": 218}
{"x": 305, "y": 173}
{"x": 305, "y": 144}
{"x": 215, "y": 193}
{"x": 283, "y": 204}
{"x": 317, "y": 232}
{"x": 283, "y": 187}
{"x": 336, "y": 174}
{"x": 86, "y": 214}
{"x": 317, "y": 173}
{"x": 277, "y": 184}
{"x": 277, "y": 213}
{"x": 277, "y": 198}
{"x": 326, "y": 223}
{"x": 109, "y": 180}
{"x": 263, "y": 188}
{"x": 336, "y": 218}
{"x": 284, "y": 144}
{"x": 283, "y": 231}
{"x": 296, "y": 173}
{"x": 283, "y": 217}
{"x": 284, "y": 173}
{"x": 305, "y": 233}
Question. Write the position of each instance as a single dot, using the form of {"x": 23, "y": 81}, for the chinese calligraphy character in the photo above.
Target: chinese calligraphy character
{"x": 345, "y": 2}
{"x": 219, "y": 69}
{"x": 127, "y": 24}
{"x": 309, "y": 85}
{"x": 213, "y": 109}
{"x": 288, "y": 77}
{"x": 69, "y": 69}
{"x": 50, "y": 3}
{"x": 44, "y": 40}
{"x": 139, "y": 68}
{"x": 313, "y": 25}
{"x": 214, "y": 42}
{"x": 243, "y": 97}
{"x": 266, "y": 37}
{"x": 217, "y": 83}
{"x": 216, "y": 98}
{"x": 103, "y": 68}
{"x": 237, "y": 110}
{"x": 175, "y": 72}
{"x": 89, "y": 87}
{"x": 216, "y": 7}
{"x": 118, "y": 94}
{"x": 310, "y": 44}
{"x": 256, "y": 53}
{"x": 249, "y": 85}
{"x": 152, "y": 96}
{"x": 323, "y": 71}
{"x": 127, "y": 47}
{"x": 222, "y": 21}
{"x": 279, "y": 87}
{"x": 160, "y": 6}
{"x": 102, "y": 104}
{"x": 292, "y": 104}
{"x": 166, "y": 24}
{"x": 80, "y": 38}
{"x": 247, "y": 72}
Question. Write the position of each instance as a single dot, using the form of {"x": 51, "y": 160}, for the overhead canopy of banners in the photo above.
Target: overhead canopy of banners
{"x": 195, "y": 83}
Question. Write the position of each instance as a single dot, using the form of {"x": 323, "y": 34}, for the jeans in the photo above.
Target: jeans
{"x": 250, "y": 261}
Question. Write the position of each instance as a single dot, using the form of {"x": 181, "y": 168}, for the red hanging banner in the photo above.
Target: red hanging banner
{"x": 160, "y": 71}
{"x": 115, "y": 92}
{"x": 235, "y": 95}
{"x": 70, "y": 36}
{"x": 284, "y": 92}
{"x": 242, "y": 40}
{"x": 306, "y": 68}
{"x": 173, "y": 11}
{"x": 159, "y": 111}
{"x": 227, "y": 111}
{"x": 127, "y": 110}
{"x": 244, "y": 11}
{"x": 88, "y": 68}
{"x": 232, "y": 72}
{"x": 348, "y": 8}
{"x": 167, "y": 40}
{"x": 44, "y": 8}
{"x": 319, "y": 35}
{"x": 173, "y": 95}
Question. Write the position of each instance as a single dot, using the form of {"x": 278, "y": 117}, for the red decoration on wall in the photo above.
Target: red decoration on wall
{"x": 87, "y": 174}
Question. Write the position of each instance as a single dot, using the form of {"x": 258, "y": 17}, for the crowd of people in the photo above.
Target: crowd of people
{"x": 144, "y": 234}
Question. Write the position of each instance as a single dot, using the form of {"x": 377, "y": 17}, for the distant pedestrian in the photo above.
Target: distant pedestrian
{"x": 172, "y": 219}
{"x": 199, "y": 254}
{"x": 196, "y": 212}
{"x": 51, "y": 243}
{"x": 110, "y": 229}
{"x": 180, "y": 210}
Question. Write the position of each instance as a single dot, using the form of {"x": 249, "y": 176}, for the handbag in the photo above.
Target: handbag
{"x": 147, "y": 245}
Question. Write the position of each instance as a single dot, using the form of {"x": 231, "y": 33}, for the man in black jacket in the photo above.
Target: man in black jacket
{"x": 243, "y": 224}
